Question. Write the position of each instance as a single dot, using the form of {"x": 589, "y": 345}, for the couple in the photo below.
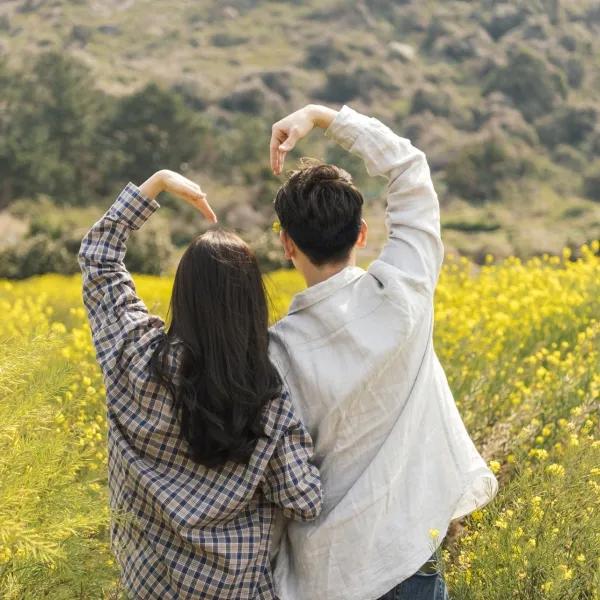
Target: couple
{"x": 322, "y": 459}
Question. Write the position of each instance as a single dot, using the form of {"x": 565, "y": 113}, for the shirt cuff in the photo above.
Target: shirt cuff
{"x": 346, "y": 127}
{"x": 132, "y": 207}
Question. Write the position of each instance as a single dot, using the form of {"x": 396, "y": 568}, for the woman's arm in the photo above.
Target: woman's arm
{"x": 118, "y": 317}
{"x": 292, "y": 481}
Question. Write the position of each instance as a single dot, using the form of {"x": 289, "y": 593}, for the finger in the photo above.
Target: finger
{"x": 281, "y": 160}
{"x": 276, "y": 139}
{"x": 198, "y": 200}
{"x": 290, "y": 141}
{"x": 273, "y": 153}
{"x": 204, "y": 207}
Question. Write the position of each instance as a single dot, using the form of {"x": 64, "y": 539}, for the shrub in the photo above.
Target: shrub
{"x": 150, "y": 251}
{"x": 591, "y": 182}
{"x": 530, "y": 82}
{"x": 504, "y": 18}
{"x": 479, "y": 170}
{"x": 152, "y": 129}
{"x": 430, "y": 99}
{"x": 48, "y": 130}
{"x": 575, "y": 70}
{"x": 347, "y": 83}
{"x": 322, "y": 55}
{"x": 225, "y": 40}
{"x": 248, "y": 98}
{"x": 567, "y": 125}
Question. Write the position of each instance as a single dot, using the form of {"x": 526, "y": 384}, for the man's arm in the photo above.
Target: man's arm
{"x": 414, "y": 243}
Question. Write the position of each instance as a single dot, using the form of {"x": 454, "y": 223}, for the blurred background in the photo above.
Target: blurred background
{"x": 504, "y": 97}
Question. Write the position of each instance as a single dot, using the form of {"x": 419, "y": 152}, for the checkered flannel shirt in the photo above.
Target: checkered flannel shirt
{"x": 178, "y": 529}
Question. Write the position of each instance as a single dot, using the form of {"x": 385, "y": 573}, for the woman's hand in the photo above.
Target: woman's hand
{"x": 180, "y": 186}
{"x": 287, "y": 132}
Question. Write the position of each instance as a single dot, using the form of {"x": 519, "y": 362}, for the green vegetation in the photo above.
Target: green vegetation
{"x": 501, "y": 96}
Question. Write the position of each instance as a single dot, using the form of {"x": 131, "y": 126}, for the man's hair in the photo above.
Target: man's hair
{"x": 321, "y": 210}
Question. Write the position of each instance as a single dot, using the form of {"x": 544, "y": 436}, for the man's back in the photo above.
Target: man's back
{"x": 356, "y": 353}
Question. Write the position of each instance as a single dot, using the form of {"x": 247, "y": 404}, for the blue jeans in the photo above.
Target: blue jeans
{"x": 425, "y": 584}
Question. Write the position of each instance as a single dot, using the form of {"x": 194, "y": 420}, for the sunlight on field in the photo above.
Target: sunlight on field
{"x": 520, "y": 344}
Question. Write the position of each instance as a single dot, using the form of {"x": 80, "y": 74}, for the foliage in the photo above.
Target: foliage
{"x": 347, "y": 82}
{"x": 591, "y": 183}
{"x": 61, "y": 137}
{"x": 530, "y": 82}
{"x": 568, "y": 125}
{"x": 518, "y": 341}
{"x": 479, "y": 170}
{"x": 199, "y": 92}
{"x": 54, "y": 237}
{"x": 150, "y": 130}
{"x": 47, "y": 130}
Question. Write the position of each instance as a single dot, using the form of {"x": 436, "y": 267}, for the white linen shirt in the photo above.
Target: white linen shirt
{"x": 356, "y": 352}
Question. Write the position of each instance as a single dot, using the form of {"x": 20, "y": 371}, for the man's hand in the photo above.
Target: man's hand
{"x": 287, "y": 132}
{"x": 180, "y": 186}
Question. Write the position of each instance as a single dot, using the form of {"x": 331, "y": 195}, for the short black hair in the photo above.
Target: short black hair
{"x": 321, "y": 210}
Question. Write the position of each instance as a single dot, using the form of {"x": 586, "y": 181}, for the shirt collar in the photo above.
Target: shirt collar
{"x": 324, "y": 289}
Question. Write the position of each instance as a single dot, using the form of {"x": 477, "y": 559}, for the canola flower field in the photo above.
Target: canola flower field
{"x": 520, "y": 343}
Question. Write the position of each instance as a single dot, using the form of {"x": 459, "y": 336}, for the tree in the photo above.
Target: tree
{"x": 591, "y": 182}
{"x": 567, "y": 125}
{"x": 529, "y": 81}
{"x": 478, "y": 171}
{"x": 48, "y": 127}
{"x": 152, "y": 129}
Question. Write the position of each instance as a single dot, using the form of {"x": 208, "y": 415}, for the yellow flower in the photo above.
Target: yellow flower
{"x": 555, "y": 469}
{"x": 565, "y": 572}
{"x": 477, "y": 515}
{"x": 434, "y": 533}
{"x": 494, "y": 466}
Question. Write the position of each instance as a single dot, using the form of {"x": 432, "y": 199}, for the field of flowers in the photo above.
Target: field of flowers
{"x": 520, "y": 342}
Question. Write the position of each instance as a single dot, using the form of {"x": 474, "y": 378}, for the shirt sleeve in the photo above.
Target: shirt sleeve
{"x": 414, "y": 244}
{"x": 292, "y": 481}
{"x": 118, "y": 318}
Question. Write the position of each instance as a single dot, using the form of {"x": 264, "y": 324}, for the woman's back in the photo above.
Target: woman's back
{"x": 181, "y": 529}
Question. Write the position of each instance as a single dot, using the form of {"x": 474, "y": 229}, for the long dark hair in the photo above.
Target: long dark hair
{"x": 219, "y": 312}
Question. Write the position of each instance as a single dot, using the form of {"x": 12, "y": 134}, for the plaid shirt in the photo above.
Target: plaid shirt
{"x": 179, "y": 529}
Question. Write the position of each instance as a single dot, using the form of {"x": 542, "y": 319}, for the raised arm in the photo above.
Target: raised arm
{"x": 118, "y": 318}
{"x": 414, "y": 245}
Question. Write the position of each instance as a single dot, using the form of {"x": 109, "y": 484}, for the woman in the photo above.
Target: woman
{"x": 203, "y": 442}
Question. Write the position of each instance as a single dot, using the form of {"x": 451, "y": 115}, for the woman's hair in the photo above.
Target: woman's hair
{"x": 219, "y": 312}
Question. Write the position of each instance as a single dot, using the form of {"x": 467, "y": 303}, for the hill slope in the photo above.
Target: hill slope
{"x": 503, "y": 96}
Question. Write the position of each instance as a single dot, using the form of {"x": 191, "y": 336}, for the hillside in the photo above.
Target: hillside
{"x": 503, "y": 96}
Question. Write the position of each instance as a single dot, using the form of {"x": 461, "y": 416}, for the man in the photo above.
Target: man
{"x": 356, "y": 353}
